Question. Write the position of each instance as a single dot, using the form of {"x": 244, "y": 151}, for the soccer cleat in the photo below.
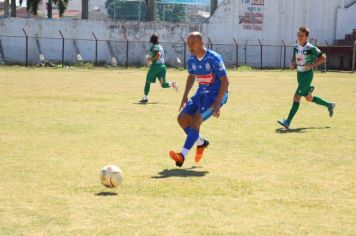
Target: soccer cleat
{"x": 175, "y": 86}
{"x": 284, "y": 123}
{"x": 200, "y": 151}
{"x": 177, "y": 157}
{"x": 331, "y": 109}
{"x": 143, "y": 101}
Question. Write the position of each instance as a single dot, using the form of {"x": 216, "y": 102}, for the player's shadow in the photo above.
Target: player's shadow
{"x": 106, "y": 194}
{"x": 148, "y": 103}
{"x": 190, "y": 172}
{"x": 298, "y": 130}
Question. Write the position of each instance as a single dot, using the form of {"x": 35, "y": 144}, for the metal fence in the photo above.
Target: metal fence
{"x": 32, "y": 50}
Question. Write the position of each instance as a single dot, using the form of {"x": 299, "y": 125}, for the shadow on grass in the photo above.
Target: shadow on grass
{"x": 105, "y": 194}
{"x": 148, "y": 103}
{"x": 298, "y": 130}
{"x": 190, "y": 172}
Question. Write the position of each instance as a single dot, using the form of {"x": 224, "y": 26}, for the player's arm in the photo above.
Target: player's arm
{"x": 188, "y": 87}
{"x": 320, "y": 59}
{"x": 223, "y": 89}
{"x": 156, "y": 56}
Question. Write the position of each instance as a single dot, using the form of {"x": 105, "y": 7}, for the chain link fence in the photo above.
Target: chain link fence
{"x": 35, "y": 50}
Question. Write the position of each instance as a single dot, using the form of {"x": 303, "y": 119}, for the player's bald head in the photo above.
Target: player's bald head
{"x": 195, "y": 43}
{"x": 195, "y": 36}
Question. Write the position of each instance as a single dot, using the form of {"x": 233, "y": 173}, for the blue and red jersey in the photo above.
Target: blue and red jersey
{"x": 208, "y": 71}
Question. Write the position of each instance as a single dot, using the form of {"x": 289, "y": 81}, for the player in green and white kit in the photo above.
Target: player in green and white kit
{"x": 305, "y": 58}
{"x": 157, "y": 68}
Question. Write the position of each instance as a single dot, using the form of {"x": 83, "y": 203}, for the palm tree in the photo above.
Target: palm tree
{"x": 6, "y": 8}
{"x": 32, "y": 5}
{"x": 85, "y": 9}
{"x": 13, "y": 8}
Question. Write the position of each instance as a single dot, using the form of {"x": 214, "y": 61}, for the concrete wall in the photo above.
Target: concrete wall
{"x": 14, "y": 47}
{"x": 346, "y": 21}
{"x": 246, "y": 21}
{"x": 281, "y": 19}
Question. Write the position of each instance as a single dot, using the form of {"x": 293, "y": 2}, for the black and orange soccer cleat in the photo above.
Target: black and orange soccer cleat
{"x": 177, "y": 157}
{"x": 200, "y": 151}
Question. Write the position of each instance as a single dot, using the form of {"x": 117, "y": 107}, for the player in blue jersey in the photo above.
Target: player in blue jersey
{"x": 208, "y": 69}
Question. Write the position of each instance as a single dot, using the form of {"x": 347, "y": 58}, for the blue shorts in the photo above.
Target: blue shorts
{"x": 202, "y": 102}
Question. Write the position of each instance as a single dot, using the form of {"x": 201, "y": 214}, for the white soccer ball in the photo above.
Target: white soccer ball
{"x": 111, "y": 176}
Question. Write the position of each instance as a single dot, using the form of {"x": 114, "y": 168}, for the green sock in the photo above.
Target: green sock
{"x": 165, "y": 85}
{"x": 293, "y": 111}
{"x": 320, "y": 101}
{"x": 147, "y": 88}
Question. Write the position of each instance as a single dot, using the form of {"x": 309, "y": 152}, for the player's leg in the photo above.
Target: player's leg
{"x": 308, "y": 78}
{"x": 162, "y": 79}
{"x": 185, "y": 121}
{"x": 150, "y": 78}
{"x": 192, "y": 137}
{"x": 320, "y": 101}
{"x": 295, "y": 106}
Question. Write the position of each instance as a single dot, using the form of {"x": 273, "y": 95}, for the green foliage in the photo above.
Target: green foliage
{"x": 62, "y": 6}
{"x": 126, "y": 10}
{"x": 137, "y": 10}
{"x": 170, "y": 12}
{"x": 32, "y": 5}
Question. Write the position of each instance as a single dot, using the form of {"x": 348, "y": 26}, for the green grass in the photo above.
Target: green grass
{"x": 59, "y": 127}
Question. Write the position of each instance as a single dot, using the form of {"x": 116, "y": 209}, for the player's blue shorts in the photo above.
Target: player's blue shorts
{"x": 202, "y": 102}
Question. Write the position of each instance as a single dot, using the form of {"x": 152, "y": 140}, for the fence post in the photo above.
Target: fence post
{"x": 327, "y": 51}
{"x": 354, "y": 57}
{"x": 237, "y": 53}
{"x": 60, "y": 32}
{"x": 26, "y": 52}
{"x": 261, "y": 54}
{"x": 245, "y": 48}
{"x": 284, "y": 54}
{"x": 211, "y": 43}
{"x": 127, "y": 51}
{"x": 96, "y": 49}
{"x": 184, "y": 53}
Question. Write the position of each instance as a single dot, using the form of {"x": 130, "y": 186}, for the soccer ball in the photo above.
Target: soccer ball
{"x": 111, "y": 176}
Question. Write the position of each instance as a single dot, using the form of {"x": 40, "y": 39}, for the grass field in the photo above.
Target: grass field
{"x": 59, "y": 127}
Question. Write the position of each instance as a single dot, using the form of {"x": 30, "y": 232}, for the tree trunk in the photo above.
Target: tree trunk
{"x": 151, "y": 10}
{"x": 6, "y": 8}
{"x": 213, "y": 6}
{"x": 49, "y": 9}
{"x": 85, "y": 9}
{"x": 13, "y": 8}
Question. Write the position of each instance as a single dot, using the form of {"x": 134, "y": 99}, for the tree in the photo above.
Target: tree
{"x": 126, "y": 10}
{"x": 32, "y": 5}
{"x": 85, "y": 9}
{"x": 137, "y": 10}
{"x": 13, "y": 8}
{"x": 171, "y": 12}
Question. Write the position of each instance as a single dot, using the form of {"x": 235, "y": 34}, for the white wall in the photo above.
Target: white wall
{"x": 14, "y": 47}
{"x": 274, "y": 20}
{"x": 281, "y": 19}
{"x": 346, "y": 21}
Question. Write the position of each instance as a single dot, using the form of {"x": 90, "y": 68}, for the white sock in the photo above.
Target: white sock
{"x": 200, "y": 141}
{"x": 185, "y": 152}
{"x": 170, "y": 84}
{"x": 145, "y": 97}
